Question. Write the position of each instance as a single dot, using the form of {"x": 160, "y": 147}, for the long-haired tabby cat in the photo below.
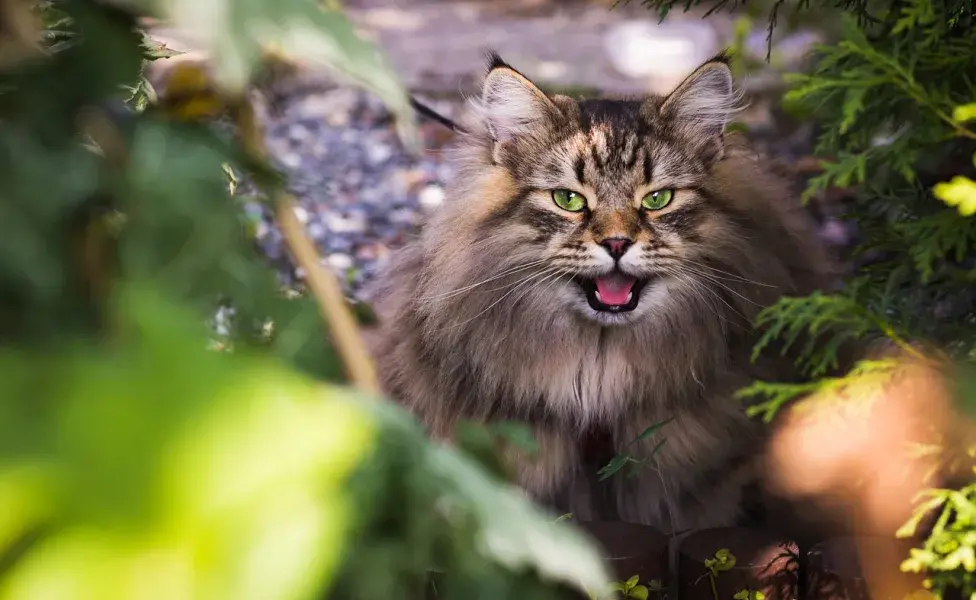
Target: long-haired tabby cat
{"x": 594, "y": 271}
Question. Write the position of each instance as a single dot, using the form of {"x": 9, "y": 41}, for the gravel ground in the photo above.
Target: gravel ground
{"x": 360, "y": 193}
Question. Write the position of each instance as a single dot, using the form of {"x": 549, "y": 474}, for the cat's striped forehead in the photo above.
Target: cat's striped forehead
{"x": 608, "y": 144}
{"x": 611, "y": 146}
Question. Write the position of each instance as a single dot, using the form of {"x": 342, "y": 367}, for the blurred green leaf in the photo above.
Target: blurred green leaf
{"x": 176, "y": 467}
{"x": 239, "y": 35}
{"x": 518, "y": 434}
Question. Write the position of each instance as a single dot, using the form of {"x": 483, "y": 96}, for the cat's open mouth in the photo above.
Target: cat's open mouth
{"x": 614, "y": 292}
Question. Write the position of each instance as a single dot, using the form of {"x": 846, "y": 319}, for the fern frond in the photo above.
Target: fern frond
{"x": 866, "y": 380}
{"x": 827, "y": 321}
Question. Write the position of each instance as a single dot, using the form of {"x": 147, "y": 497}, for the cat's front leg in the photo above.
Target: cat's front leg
{"x": 691, "y": 472}
{"x": 542, "y": 473}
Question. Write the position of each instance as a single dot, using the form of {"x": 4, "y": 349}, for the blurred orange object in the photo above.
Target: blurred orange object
{"x": 856, "y": 450}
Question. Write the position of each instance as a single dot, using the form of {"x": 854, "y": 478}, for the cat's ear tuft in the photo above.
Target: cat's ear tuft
{"x": 494, "y": 61}
{"x": 704, "y": 103}
{"x": 511, "y": 104}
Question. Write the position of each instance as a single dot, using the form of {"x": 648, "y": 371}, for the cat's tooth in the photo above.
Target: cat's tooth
{"x": 630, "y": 296}
{"x": 599, "y": 297}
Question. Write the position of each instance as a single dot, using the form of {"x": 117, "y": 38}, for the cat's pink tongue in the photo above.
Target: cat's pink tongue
{"x": 614, "y": 289}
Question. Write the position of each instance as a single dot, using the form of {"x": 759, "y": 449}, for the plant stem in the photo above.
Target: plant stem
{"x": 328, "y": 295}
{"x": 321, "y": 282}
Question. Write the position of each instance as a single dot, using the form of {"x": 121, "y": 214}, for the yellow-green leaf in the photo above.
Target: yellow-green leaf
{"x": 964, "y": 112}
{"x": 959, "y": 192}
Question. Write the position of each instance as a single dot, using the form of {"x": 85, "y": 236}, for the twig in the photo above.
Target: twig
{"x": 321, "y": 282}
{"x": 328, "y": 295}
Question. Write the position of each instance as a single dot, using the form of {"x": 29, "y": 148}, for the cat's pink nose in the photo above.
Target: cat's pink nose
{"x": 617, "y": 246}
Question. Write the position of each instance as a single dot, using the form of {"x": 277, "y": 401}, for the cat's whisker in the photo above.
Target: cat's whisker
{"x": 505, "y": 273}
{"x": 729, "y": 275}
{"x": 696, "y": 288}
{"x": 521, "y": 283}
{"x": 551, "y": 278}
{"x": 699, "y": 287}
{"x": 712, "y": 279}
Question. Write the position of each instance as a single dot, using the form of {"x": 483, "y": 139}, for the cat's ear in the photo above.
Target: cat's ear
{"x": 704, "y": 103}
{"x": 511, "y": 104}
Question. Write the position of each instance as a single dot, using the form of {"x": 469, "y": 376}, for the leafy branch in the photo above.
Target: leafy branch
{"x": 626, "y": 459}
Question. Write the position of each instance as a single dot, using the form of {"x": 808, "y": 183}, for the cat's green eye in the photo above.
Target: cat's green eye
{"x": 657, "y": 200}
{"x": 568, "y": 200}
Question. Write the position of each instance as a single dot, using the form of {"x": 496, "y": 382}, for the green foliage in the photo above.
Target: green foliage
{"x": 893, "y": 95}
{"x": 868, "y": 376}
{"x": 948, "y": 555}
{"x": 723, "y": 561}
{"x": 632, "y": 588}
{"x": 239, "y": 36}
{"x": 627, "y": 460}
{"x": 134, "y": 461}
{"x": 887, "y": 96}
{"x": 155, "y": 466}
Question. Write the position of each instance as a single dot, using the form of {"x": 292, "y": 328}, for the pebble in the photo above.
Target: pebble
{"x": 431, "y": 196}
{"x": 290, "y": 160}
{"x": 340, "y": 262}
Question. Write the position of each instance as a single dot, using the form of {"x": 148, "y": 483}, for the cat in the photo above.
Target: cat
{"x": 594, "y": 271}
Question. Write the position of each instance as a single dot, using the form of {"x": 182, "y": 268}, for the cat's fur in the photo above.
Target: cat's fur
{"x": 482, "y": 320}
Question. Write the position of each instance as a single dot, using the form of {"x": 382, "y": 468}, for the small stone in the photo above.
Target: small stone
{"x": 316, "y": 231}
{"x": 320, "y": 149}
{"x": 366, "y": 253}
{"x": 431, "y": 196}
{"x": 340, "y": 262}
{"x": 403, "y": 216}
{"x": 339, "y": 224}
{"x": 299, "y": 133}
{"x": 354, "y": 178}
{"x": 338, "y": 243}
{"x": 301, "y": 214}
{"x": 378, "y": 153}
{"x": 291, "y": 160}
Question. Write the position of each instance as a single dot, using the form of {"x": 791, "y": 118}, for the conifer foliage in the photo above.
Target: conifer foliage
{"x": 894, "y": 95}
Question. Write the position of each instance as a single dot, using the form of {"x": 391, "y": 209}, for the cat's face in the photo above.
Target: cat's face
{"x": 610, "y": 206}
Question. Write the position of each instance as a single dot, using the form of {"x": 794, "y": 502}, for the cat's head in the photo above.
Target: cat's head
{"x": 605, "y": 209}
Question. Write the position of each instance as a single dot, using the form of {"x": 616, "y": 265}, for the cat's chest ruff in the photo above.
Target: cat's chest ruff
{"x": 586, "y": 384}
